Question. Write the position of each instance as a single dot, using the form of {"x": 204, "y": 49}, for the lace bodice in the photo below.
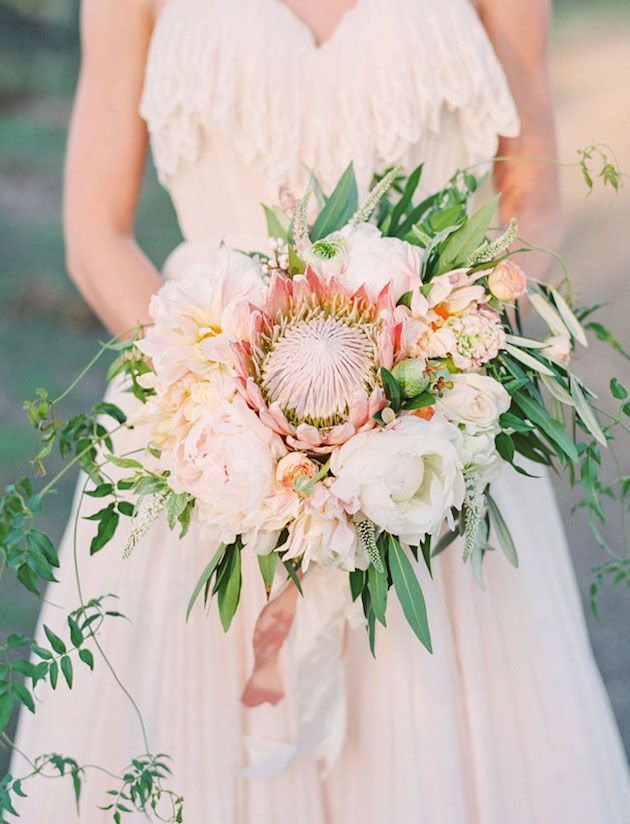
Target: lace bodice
{"x": 239, "y": 98}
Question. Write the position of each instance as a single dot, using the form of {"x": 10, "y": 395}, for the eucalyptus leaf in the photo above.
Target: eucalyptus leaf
{"x": 205, "y": 577}
{"x": 229, "y": 593}
{"x": 528, "y": 360}
{"x": 339, "y": 207}
{"x": 538, "y": 415}
{"x": 377, "y": 586}
{"x": 467, "y": 238}
{"x": 502, "y": 531}
{"x": 277, "y": 223}
{"x": 409, "y": 592}
{"x": 557, "y": 391}
{"x": 548, "y": 313}
{"x": 267, "y": 565}
{"x": 586, "y": 413}
{"x": 571, "y": 322}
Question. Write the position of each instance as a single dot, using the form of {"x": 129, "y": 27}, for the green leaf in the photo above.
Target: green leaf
{"x": 409, "y": 592}
{"x": 502, "y": 531}
{"x": 293, "y": 575}
{"x": 43, "y": 544}
{"x": 584, "y": 410}
{"x": 377, "y": 586}
{"x": 176, "y": 503}
{"x": 106, "y": 530}
{"x": 510, "y": 421}
{"x": 557, "y": 391}
{"x": 275, "y": 227}
{"x": 126, "y": 508}
{"x": 55, "y": 641}
{"x": 76, "y": 636}
{"x": 86, "y": 656}
{"x": 53, "y": 674}
{"x": 6, "y": 710}
{"x": 296, "y": 264}
{"x": 445, "y": 541}
{"x": 339, "y": 207}
{"x": 618, "y": 391}
{"x": 42, "y": 653}
{"x": 357, "y": 582}
{"x": 206, "y": 575}
{"x": 602, "y": 334}
{"x": 421, "y": 401}
{"x": 505, "y": 446}
{"x": 528, "y": 360}
{"x": 100, "y": 491}
{"x": 391, "y": 388}
{"x": 538, "y": 415}
{"x": 23, "y": 695}
{"x": 406, "y": 199}
{"x": 468, "y": 237}
{"x": 66, "y": 669}
{"x": 267, "y": 564}
{"x": 570, "y": 321}
{"x": 230, "y": 593}
{"x": 123, "y": 463}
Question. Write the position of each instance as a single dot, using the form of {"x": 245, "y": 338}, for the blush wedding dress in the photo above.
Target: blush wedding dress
{"x": 508, "y": 721}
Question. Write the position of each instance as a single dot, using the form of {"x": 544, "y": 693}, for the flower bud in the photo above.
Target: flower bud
{"x": 410, "y": 374}
{"x": 557, "y": 348}
{"x": 507, "y": 281}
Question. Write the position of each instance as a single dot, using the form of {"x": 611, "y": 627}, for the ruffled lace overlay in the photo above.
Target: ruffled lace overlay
{"x": 378, "y": 88}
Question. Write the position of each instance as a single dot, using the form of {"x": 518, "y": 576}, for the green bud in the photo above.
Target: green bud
{"x": 410, "y": 374}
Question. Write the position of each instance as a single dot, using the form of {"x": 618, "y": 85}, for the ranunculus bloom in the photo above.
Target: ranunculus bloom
{"x": 479, "y": 338}
{"x": 507, "y": 281}
{"x": 405, "y": 478}
{"x": 473, "y": 400}
{"x": 365, "y": 258}
{"x": 197, "y": 317}
{"x": 557, "y": 348}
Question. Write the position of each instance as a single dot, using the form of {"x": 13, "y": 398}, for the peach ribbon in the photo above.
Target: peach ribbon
{"x": 272, "y": 628}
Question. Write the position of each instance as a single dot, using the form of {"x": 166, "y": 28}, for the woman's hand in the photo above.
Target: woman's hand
{"x": 530, "y": 190}
{"x": 105, "y": 159}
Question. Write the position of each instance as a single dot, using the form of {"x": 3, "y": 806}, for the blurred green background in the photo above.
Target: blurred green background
{"x": 47, "y": 333}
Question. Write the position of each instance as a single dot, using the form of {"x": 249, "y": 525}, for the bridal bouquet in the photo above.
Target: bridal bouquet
{"x": 347, "y": 398}
{"x": 344, "y": 399}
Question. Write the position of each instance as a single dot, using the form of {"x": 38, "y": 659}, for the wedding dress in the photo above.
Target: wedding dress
{"x": 508, "y": 721}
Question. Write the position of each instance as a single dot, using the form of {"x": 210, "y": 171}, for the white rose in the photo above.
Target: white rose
{"x": 365, "y": 257}
{"x": 474, "y": 400}
{"x": 405, "y": 478}
{"x": 479, "y": 452}
{"x": 228, "y": 462}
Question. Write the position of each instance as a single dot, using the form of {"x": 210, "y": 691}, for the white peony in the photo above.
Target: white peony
{"x": 474, "y": 400}
{"x": 227, "y": 461}
{"x": 405, "y": 478}
{"x": 364, "y": 257}
{"x": 197, "y": 316}
{"x": 480, "y": 454}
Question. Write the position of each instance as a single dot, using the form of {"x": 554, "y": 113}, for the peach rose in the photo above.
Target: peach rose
{"x": 507, "y": 281}
{"x": 293, "y": 466}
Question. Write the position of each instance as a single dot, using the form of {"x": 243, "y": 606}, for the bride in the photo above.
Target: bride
{"x": 508, "y": 721}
